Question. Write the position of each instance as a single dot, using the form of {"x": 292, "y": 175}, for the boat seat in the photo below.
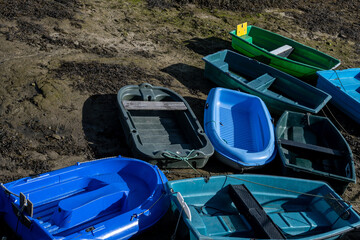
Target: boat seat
{"x": 283, "y": 51}
{"x": 311, "y": 147}
{"x": 224, "y": 66}
{"x": 85, "y": 206}
{"x": 245, "y": 202}
{"x": 153, "y": 105}
{"x": 197, "y": 221}
{"x": 339, "y": 208}
{"x": 261, "y": 83}
{"x": 247, "y": 38}
{"x": 237, "y": 77}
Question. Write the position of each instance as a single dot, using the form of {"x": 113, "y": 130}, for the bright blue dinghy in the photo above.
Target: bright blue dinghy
{"x": 112, "y": 198}
{"x": 239, "y": 127}
{"x": 344, "y": 87}
{"x": 253, "y": 206}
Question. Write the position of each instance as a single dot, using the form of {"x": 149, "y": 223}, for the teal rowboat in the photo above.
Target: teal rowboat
{"x": 283, "y": 53}
{"x": 312, "y": 147}
{"x": 279, "y": 91}
{"x": 249, "y": 206}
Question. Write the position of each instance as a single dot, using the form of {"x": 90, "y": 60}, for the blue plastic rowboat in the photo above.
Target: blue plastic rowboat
{"x": 112, "y": 198}
{"x": 344, "y": 87}
{"x": 248, "y": 206}
{"x": 239, "y": 127}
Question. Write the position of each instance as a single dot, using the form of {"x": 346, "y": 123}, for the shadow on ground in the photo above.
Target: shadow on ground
{"x": 206, "y": 46}
{"x": 197, "y": 106}
{"x": 102, "y": 127}
{"x": 192, "y": 77}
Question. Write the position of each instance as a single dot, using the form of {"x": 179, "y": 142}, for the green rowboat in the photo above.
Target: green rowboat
{"x": 283, "y": 53}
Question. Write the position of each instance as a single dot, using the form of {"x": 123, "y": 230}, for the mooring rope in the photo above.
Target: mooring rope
{"x": 177, "y": 224}
{"x": 293, "y": 191}
{"x": 335, "y": 119}
{"x": 186, "y": 159}
{"x": 139, "y": 214}
{"x": 338, "y": 78}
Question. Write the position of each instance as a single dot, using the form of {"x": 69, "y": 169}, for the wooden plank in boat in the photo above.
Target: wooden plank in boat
{"x": 311, "y": 147}
{"x": 154, "y": 105}
{"x": 341, "y": 209}
{"x": 247, "y": 205}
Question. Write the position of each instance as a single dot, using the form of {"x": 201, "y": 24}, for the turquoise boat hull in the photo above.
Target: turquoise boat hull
{"x": 279, "y": 91}
{"x": 297, "y": 208}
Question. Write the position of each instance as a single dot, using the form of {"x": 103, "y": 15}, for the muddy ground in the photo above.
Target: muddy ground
{"x": 63, "y": 61}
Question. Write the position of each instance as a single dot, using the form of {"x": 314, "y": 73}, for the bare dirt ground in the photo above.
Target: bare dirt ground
{"x": 63, "y": 61}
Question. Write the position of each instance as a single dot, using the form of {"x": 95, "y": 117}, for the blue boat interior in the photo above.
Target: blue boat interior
{"x": 264, "y": 79}
{"x": 313, "y": 144}
{"x": 232, "y": 118}
{"x": 347, "y": 80}
{"x": 215, "y": 214}
{"x": 69, "y": 202}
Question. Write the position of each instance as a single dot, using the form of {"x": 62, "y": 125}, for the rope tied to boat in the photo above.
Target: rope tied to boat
{"x": 338, "y": 78}
{"x": 333, "y": 116}
{"x": 139, "y": 214}
{"x": 293, "y": 191}
{"x": 186, "y": 159}
{"x": 164, "y": 193}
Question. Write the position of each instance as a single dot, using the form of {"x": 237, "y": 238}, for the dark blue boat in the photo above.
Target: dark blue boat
{"x": 112, "y": 198}
{"x": 249, "y": 206}
{"x": 344, "y": 87}
{"x": 239, "y": 127}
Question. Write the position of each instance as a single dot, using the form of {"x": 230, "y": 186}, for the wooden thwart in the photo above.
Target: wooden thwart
{"x": 283, "y": 51}
{"x": 337, "y": 206}
{"x": 264, "y": 227}
{"x": 153, "y": 105}
{"x": 311, "y": 147}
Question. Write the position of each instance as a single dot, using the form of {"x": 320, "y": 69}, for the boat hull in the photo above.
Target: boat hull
{"x": 113, "y": 198}
{"x": 316, "y": 150}
{"x": 170, "y": 138}
{"x": 344, "y": 87}
{"x": 297, "y": 207}
{"x": 277, "y": 89}
{"x": 239, "y": 127}
{"x": 303, "y": 63}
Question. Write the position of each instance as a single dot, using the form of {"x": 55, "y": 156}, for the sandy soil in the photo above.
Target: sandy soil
{"x": 62, "y": 63}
